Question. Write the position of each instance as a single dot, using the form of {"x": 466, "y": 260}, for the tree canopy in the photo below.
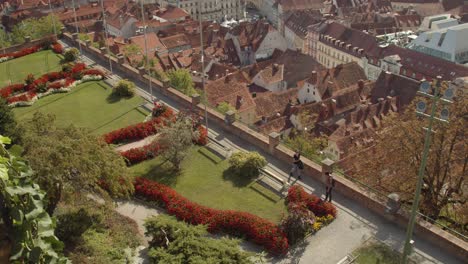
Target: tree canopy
{"x": 182, "y": 81}
{"x": 7, "y": 120}
{"x": 175, "y": 242}
{"x": 393, "y": 164}
{"x": 72, "y": 160}
{"x": 35, "y": 28}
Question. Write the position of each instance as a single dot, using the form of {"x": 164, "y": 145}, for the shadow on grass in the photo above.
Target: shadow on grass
{"x": 252, "y": 187}
{"x": 164, "y": 172}
{"x": 113, "y": 98}
{"x": 211, "y": 155}
{"x": 237, "y": 180}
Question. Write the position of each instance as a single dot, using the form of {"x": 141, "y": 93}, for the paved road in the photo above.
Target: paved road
{"x": 354, "y": 224}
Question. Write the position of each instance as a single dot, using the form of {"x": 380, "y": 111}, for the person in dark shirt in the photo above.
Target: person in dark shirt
{"x": 330, "y": 184}
{"x": 297, "y": 167}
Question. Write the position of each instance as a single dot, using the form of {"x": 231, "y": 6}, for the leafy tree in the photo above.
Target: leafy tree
{"x": 28, "y": 225}
{"x": 130, "y": 51}
{"x": 124, "y": 88}
{"x": 71, "y": 160}
{"x": 298, "y": 223}
{"x": 182, "y": 81}
{"x": 247, "y": 163}
{"x": 71, "y": 54}
{"x": 4, "y": 39}
{"x": 224, "y": 107}
{"x": 35, "y": 28}
{"x": 307, "y": 145}
{"x": 392, "y": 165}
{"x": 174, "y": 242}
{"x": 176, "y": 140}
{"x": 7, "y": 120}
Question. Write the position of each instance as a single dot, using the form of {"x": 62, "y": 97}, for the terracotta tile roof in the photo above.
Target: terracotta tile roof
{"x": 297, "y": 66}
{"x": 298, "y": 21}
{"x": 171, "y": 13}
{"x": 395, "y": 85}
{"x": 119, "y": 19}
{"x": 270, "y": 103}
{"x": 251, "y": 34}
{"x": 273, "y": 73}
{"x": 219, "y": 70}
{"x": 408, "y": 21}
{"x": 175, "y": 41}
{"x": 301, "y": 4}
{"x": 347, "y": 36}
{"x": 230, "y": 51}
{"x": 231, "y": 89}
{"x": 83, "y": 11}
{"x": 276, "y": 125}
{"x": 152, "y": 41}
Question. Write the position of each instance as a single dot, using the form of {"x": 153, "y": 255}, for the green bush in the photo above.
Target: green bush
{"x": 247, "y": 163}
{"x": 71, "y": 55}
{"x": 124, "y": 88}
{"x": 67, "y": 67}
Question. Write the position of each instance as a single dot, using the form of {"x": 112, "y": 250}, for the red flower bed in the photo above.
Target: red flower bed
{"x": 203, "y": 138}
{"x": 138, "y": 131}
{"x": 79, "y": 67}
{"x": 22, "y": 52}
{"x": 254, "y": 228}
{"x": 20, "y": 98}
{"x": 7, "y": 91}
{"x": 296, "y": 194}
{"x": 93, "y": 72}
{"x": 57, "y": 48}
{"x": 136, "y": 155}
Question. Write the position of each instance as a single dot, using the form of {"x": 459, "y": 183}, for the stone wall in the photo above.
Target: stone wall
{"x": 272, "y": 145}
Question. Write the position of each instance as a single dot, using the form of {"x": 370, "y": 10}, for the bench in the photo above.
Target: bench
{"x": 218, "y": 147}
{"x": 272, "y": 179}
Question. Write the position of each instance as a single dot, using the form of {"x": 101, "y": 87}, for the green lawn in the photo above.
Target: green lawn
{"x": 204, "y": 179}
{"x": 36, "y": 63}
{"x": 376, "y": 253}
{"x": 88, "y": 105}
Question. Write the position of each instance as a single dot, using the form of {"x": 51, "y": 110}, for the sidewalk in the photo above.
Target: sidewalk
{"x": 354, "y": 224}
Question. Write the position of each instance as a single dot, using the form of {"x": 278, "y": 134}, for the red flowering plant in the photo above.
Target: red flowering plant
{"x": 140, "y": 130}
{"x": 136, "y": 155}
{"x": 241, "y": 224}
{"x": 158, "y": 109}
{"x": 57, "y": 48}
{"x": 93, "y": 72}
{"x": 297, "y": 194}
{"x": 10, "y": 90}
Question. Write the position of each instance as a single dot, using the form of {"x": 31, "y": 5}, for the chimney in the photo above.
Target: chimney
{"x": 227, "y": 78}
{"x": 227, "y": 72}
{"x": 333, "y": 105}
{"x": 361, "y": 84}
{"x": 275, "y": 69}
{"x": 313, "y": 77}
{"x": 330, "y": 87}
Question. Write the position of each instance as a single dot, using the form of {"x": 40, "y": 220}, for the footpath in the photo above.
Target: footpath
{"x": 354, "y": 224}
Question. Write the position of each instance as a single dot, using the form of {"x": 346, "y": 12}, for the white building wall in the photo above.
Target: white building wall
{"x": 273, "y": 40}
{"x": 308, "y": 93}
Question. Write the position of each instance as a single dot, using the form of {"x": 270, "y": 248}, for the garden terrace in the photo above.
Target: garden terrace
{"x": 88, "y": 105}
{"x": 36, "y": 63}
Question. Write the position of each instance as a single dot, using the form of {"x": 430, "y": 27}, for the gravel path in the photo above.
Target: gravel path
{"x": 136, "y": 144}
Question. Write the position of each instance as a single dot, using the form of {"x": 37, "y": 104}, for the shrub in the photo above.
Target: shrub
{"x": 296, "y": 194}
{"x": 67, "y": 67}
{"x": 124, "y": 88}
{"x": 298, "y": 223}
{"x": 71, "y": 55}
{"x": 29, "y": 79}
{"x": 240, "y": 224}
{"x": 136, "y": 155}
{"x": 138, "y": 131}
{"x": 158, "y": 109}
{"x": 247, "y": 163}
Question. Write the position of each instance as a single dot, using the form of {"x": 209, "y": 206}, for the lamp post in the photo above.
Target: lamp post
{"x": 202, "y": 53}
{"x": 53, "y": 20}
{"x": 106, "y": 35}
{"x": 146, "y": 50}
{"x": 76, "y": 26}
{"x": 420, "y": 110}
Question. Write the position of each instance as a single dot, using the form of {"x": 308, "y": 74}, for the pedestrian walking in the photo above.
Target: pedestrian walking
{"x": 297, "y": 166}
{"x": 330, "y": 184}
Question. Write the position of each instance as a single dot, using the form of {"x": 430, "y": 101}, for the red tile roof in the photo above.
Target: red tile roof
{"x": 298, "y": 21}
{"x": 271, "y": 103}
{"x": 175, "y": 41}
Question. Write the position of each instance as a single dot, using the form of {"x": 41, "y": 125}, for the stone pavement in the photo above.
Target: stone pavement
{"x": 354, "y": 224}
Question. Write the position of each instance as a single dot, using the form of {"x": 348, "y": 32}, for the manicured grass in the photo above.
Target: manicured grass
{"x": 377, "y": 253}
{"x": 205, "y": 179}
{"x": 36, "y": 63}
{"x": 88, "y": 105}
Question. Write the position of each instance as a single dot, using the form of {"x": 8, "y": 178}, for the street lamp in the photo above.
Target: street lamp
{"x": 105, "y": 33}
{"x": 202, "y": 53}
{"x": 424, "y": 90}
{"x": 146, "y": 50}
{"x": 76, "y": 26}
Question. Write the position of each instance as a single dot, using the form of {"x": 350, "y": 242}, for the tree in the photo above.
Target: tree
{"x": 7, "y": 120}
{"x": 298, "y": 223}
{"x": 35, "y": 28}
{"x": 176, "y": 140}
{"x": 71, "y": 55}
{"x": 182, "y": 81}
{"x": 71, "y": 160}
{"x": 4, "y": 39}
{"x": 174, "y": 241}
{"x": 306, "y": 144}
{"x": 392, "y": 165}
{"x": 130, "y": 51}
{"x": 28, "y": 225}
{"x": 224, "y": 107}
{"x": 124, "y": 88}
{"x": 247, "y": 163}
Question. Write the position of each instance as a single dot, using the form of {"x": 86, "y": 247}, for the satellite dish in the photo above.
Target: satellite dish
{"x": 449, "y": 94}
{"x": 421, "y": 107}
{"x": 444, "y": 114}
{"x": 425, "y": 87}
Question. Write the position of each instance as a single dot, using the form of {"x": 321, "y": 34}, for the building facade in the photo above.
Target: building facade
{"x": 211, "y": 9}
